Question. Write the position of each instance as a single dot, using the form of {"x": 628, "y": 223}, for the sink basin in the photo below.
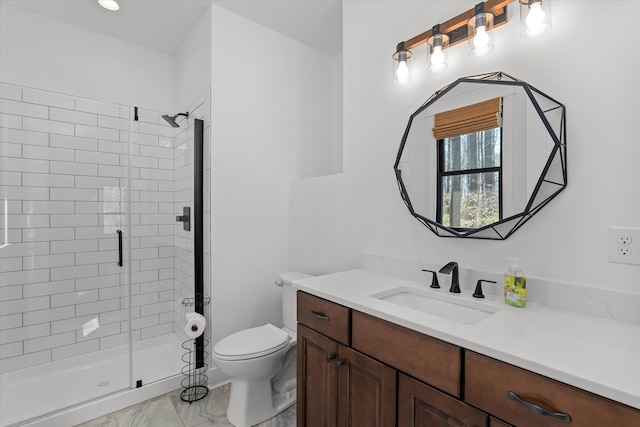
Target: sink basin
{"x": 451, "y": 307}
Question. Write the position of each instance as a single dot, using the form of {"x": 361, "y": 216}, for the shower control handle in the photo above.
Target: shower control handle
{"x": 119, "y": 247}
{"x": 185, "y": 218}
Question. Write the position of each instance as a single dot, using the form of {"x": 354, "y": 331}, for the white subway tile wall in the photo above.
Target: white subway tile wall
{"x": 63, "y": 174}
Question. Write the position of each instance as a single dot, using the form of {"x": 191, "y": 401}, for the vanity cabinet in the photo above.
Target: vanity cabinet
{"x": 358, "y": 370}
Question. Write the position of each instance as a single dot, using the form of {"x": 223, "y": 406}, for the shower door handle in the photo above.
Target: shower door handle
{"x": 119, "y": 247}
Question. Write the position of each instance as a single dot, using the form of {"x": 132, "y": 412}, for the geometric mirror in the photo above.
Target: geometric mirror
{"x": 481, "y": 156}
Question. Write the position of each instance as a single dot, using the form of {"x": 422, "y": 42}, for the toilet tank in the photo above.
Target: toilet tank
{"x": 289, "y": 297}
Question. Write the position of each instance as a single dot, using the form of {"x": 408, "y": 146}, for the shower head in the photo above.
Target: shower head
{"x": 172, "y": 119}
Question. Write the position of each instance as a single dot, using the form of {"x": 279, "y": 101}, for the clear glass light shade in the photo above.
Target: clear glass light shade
{"x": 535, "y": 17}
{"x": 480, "y": 34}
{"x": 109, "y": 4}
{"x": 438, "y": 53}
{"x": 401, "y": 67}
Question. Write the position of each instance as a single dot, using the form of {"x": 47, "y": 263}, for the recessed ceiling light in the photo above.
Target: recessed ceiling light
{"x": 109, "y": 4}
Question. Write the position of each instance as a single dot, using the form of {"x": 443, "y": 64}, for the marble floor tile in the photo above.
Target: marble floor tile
{"x": 158, "y": 412}
{"x": 286, "y": 418}
{"x": 169, "y": 410}
{"x": 208, "y": 411}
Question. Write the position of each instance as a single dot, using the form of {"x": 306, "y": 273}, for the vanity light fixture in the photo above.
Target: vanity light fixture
{"x": 109, "y": 4}
{"x": 475, "y": 26}
{"x": 438, "y": 52}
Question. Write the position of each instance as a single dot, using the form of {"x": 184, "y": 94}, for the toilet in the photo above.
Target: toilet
{"x": 261, "y": 362}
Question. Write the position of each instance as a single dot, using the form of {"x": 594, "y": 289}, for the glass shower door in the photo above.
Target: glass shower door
{"x": 156, "y": 352}
{"x": 64, "y": 286}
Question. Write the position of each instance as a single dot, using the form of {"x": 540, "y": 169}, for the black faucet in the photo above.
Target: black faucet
{"x": 452, "y": 268}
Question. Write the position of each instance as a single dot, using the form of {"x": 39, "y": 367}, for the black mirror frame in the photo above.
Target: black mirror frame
{"x": 504, "y": 228}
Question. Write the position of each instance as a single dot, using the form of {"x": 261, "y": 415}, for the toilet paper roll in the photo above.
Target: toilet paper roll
{"x": 195, "y": 325}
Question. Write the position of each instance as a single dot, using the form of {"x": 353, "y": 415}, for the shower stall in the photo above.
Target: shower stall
{"x": 97, "y": 268}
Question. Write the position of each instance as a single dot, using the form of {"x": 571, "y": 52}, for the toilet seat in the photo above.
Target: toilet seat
{"x": 251, "y": 343}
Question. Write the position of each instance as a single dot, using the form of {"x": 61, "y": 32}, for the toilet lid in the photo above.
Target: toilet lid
{"x": 250, "y": 343}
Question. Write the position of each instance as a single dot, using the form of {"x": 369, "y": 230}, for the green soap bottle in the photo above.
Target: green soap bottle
{"x": 515, "y": 285}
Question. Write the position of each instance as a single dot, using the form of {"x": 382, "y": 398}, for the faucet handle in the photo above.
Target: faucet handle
{"x": 434, "y": 280}
{"x": 478, "y": 292}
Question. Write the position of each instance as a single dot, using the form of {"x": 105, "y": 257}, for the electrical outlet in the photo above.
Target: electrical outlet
{"x": 624, "y": 251}
{"x": 624, "y": 245}
{"x": 625, "y": 239}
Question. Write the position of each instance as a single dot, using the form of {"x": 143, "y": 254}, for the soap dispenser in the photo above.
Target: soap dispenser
{"x": 515, "y": 285}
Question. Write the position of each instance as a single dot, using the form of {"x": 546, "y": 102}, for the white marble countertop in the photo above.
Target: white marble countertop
{"x": 592, "y": 353}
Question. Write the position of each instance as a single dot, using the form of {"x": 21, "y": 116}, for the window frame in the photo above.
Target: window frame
{"x": 441, "y": 174}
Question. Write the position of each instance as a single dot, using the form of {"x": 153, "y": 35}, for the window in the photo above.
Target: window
{"x": 469, "y": 180}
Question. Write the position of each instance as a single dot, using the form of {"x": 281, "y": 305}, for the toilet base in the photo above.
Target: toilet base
{"x": 253, "y": 401}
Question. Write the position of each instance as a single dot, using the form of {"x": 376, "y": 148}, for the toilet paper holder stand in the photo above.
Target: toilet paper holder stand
{"x": 195, "y": 380}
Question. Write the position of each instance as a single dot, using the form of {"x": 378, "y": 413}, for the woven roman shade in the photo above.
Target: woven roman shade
{"x": 469, "y": 119}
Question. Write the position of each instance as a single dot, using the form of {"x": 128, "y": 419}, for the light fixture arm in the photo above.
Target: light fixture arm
{"x": 497, "y": 7}
{"x": 437, "y": 41}
{"x": 479, "y": 14}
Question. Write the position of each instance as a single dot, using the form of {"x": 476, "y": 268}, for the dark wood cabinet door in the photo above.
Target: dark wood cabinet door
{"x": 366, "y": 391}
{"x": 317, "y": 379}
{"x": 420, "y": 405}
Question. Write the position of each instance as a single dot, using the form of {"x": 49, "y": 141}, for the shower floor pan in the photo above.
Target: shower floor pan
{"x": 39, "y": 390}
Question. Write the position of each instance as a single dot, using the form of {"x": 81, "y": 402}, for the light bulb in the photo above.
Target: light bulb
{"x": 437, "y": 60}
{"x": 481, "y": 39}
{"x": 437, "y": 57}
{"x": 535, "y": 20}
{"x": 402, "y": 72}
{"x": 536, "y": 15}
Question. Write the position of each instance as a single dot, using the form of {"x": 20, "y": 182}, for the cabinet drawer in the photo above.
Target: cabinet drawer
{"x": 324, "y": 316}
{"x": 487, "y": 382}
{"x": 430, "y": 360}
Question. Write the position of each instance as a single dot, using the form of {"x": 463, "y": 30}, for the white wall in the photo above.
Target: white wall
{"x": 336, "y": 113}
{"x": 335, "y": 219}
{"x": 43, "y": 53}
{"x": 193, "y": 63}
{"x": 270, "y": 96}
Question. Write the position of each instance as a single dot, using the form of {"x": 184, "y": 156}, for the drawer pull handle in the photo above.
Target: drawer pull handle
{"x": 539, "y": 410}
{"x": 330, "y": 357}
{"x": 339, "y": 363}
{"x": 319, "y": 316}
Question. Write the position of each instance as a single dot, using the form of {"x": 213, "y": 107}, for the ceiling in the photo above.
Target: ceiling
{"x": 162, "y": 25}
